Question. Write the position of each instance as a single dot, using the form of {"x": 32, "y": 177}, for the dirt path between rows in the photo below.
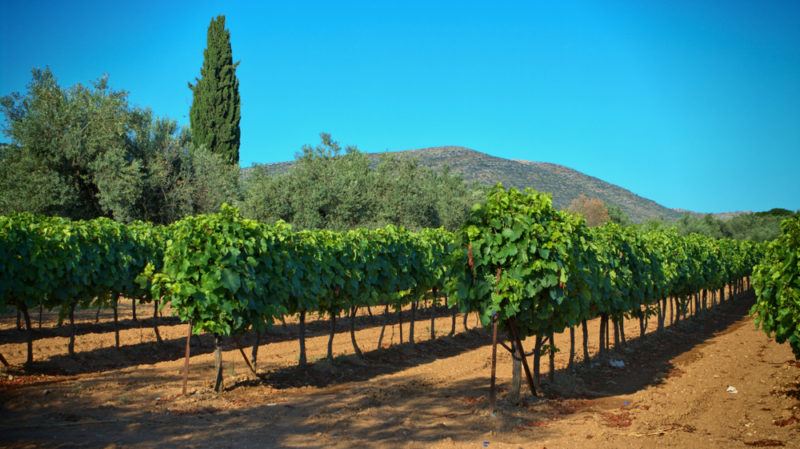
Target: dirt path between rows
{"x": 671, "y": 392}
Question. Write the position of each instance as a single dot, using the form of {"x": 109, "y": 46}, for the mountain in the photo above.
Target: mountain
{"x": 565, "y": 184}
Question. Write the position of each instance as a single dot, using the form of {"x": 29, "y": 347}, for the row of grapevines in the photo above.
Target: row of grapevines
{"x": 227, "y": 274}
{"x": 54, "y": 263}
{"x": 541, "y": 270}
{"x": 776, "y": 280}
{"x": 518, "y": 259}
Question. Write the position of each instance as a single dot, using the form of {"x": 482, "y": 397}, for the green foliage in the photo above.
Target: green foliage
{"x": 66, "y": 138}
{"x": 519, "y": 258}
{"x": 216, "y": 110}
{"x": 331, "y": 188}
{"x": 219, "y": 272}
{"x": 516, "y": 253}
{"x": 617, "y": 215}
{"x": 83, "y": 153}
{"x": 59, "y": 264}
{"x": 757, "y": 227}
{"x": 776, "y": 280}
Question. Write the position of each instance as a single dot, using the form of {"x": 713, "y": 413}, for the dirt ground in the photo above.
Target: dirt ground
{"x": 672, "y": 391}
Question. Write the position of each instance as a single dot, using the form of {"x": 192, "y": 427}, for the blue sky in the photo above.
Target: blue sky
{"x": 693, "y": 104}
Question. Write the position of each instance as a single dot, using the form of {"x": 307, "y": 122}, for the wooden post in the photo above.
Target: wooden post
{"x": 28, "y": 333}
{"x": 515, "y": 336}
{"x": 218, "y": 381}
{"x": 433, "y": 313}
{"x": 186, "y": 361}
{"x": 492, "y": 389}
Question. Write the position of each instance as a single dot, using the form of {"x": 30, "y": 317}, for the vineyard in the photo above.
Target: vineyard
{"x": 539, "y": 283}
{"x": 518, "y": 263}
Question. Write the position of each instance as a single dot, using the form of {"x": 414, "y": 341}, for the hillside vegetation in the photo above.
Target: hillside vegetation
{"x": 565, "y": 184}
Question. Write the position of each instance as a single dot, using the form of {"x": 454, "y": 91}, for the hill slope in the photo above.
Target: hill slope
{"x": 563, "y": 183}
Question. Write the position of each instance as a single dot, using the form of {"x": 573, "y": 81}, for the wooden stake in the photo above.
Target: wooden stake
{"x": 186, "y": 361}
{"x": 512, "y": 327}
{"x": 492, "y": 390}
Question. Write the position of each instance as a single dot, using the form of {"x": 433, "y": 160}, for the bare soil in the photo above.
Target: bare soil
{"x": 672, "y": 391}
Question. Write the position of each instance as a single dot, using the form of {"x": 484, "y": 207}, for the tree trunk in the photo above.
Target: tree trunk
{"x": 571, "y": 362}
{"x": 302, "y": 338}
{"x": 602, "y": 339}
{"x": 671, "y": 316}
{"x": 585, "y": 328}
{"x": 254, "y": 352}
{"x": 641, "y": 323}
{"x": 433, "y": 315}
{"x": 615, "y": 323}
{"x": 19, "y": 320}
{"x": 133, "y": 308}
{"x": 71, "y": 346}
{"x": 466, "y": 315}
{"x": 400, "y": 322}
{"x": 218, "y": 363}
{"x": 537, "y": 356}
{"x": 114, "y": 301}
{"x": 551, "y": 374}
{"x": 383, "y": 328}
{"x": 97, "y": 314}
{"x": 453, "y": 323}
{"x": 330, "y": 337}
{"x": 621, "y": 324}
{"x": 28, "y": 333}
{"x": 41, "y": 310}
{"x": 155, "y": 321}
{"x": 516, "y": 375}
{"x": 353, "y": 331}
{"x": 411, "y": 323}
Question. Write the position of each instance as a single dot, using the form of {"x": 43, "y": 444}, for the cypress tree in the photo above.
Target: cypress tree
{"x": 215, "y": 112}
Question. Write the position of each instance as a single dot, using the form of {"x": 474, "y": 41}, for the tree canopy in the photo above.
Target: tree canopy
{"x": 216, "y": 111}
{"x": 83, "y": 152}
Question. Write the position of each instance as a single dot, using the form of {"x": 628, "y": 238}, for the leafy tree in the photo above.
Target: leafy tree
{"x": 212, "y": 181}
{"x": 594, "y": 210}
{"x": 62, "y": 141}
{"x": 215, "y": 111}
{"x": 331, "y": 188}
{"x": 83, "y": 152}
{"x": 402, "y": 196}
{"x": 27, "y": 185}
{"x": 617, "y": 215}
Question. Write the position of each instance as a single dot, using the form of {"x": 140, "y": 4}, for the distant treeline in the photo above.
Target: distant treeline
{"x": 756, "y": 226}
{"x": 85, "y": 152}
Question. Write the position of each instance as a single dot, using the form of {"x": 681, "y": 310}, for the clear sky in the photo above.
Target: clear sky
{"x": 694, "y": 104}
